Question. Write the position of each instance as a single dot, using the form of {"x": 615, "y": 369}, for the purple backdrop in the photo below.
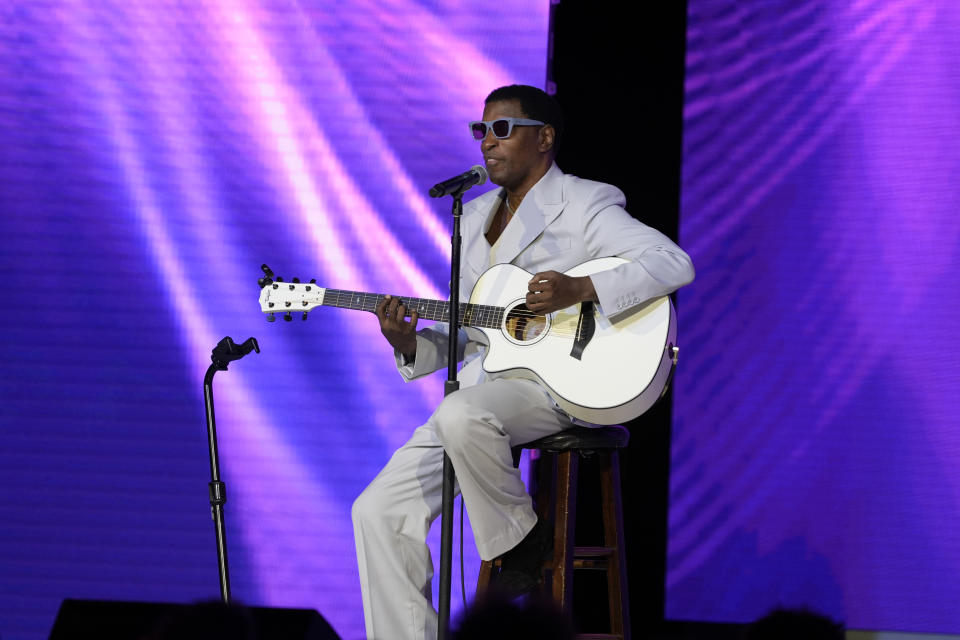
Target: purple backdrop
{"x": 816, "y": 444}
{"x": 152, "y": 155}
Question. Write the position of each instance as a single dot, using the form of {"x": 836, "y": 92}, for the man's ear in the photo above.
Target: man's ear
{"x": 546, "y": 138}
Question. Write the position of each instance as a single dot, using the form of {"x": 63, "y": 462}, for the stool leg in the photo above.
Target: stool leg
{"x": 565, "y": 512}
{"x": 613, "y": 537}
{"x": 483, "y": 578}
{"x": 542, "y": 488}
{"x": 542, "y": 474}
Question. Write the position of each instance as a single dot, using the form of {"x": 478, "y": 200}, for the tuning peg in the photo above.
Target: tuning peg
{"x": 296, "y": 280}
{"x": 304, "y": 317}
{"x": 313, "y": 281}
{"x": 271, "y": 317}
{"x": 279, "y": 279}
{"x": 287, "y": 316}
{"x": 267, "y": 278}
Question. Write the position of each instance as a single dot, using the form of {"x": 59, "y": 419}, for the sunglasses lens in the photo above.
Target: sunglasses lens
{"x": 479, "y": 130}
{"x": 501, "y": 128}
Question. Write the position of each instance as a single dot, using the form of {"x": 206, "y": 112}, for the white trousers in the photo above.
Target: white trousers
{"x": 477, "y": 426}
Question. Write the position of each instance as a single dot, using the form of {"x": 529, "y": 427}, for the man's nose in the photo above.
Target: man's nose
{"x": 489, "y": 141}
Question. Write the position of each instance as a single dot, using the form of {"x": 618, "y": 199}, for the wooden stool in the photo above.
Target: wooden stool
{"x": 555, "y": 498}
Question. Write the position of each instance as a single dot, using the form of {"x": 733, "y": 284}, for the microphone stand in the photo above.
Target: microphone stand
{"x": 225, "y": 352}
{"x": 451, "y": 385}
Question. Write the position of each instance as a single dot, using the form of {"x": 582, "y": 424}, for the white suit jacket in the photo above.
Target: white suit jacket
{"x": 562, "y": 222}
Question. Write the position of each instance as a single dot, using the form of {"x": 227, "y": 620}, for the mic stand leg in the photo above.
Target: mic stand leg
{"x": 451, "y": 385}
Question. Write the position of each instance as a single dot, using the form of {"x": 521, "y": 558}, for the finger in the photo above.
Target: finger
{"x": 546, "y": 283}
{"x": 392, "y": 308}
{"x": 413, "y": 321}
{"x": 382, "y": 307}
{"x": 545, "y": 275}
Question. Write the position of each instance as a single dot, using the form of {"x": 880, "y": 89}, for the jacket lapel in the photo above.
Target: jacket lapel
{"x": 476, "y": 251}
{"x": 539, "y": 208}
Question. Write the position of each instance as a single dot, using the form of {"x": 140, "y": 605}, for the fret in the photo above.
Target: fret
{"x": 471, "y": 315}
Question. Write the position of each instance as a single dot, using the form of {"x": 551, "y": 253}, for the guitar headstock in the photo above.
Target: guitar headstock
{"x": 277, "y": 296}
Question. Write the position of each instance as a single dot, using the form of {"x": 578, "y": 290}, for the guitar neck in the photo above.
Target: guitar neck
{"x": 471, "y": 315}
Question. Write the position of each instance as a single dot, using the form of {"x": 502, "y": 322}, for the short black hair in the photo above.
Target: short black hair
{"x": 535, "y": 103}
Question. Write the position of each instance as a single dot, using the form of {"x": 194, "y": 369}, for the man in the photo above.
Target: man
{"x": 545, "y": 222}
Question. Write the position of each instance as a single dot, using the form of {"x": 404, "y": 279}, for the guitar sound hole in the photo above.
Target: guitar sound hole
{"x": 524, "y": 325}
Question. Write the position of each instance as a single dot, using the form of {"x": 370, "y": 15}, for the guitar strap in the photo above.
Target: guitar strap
{"x": 585, "y": 328}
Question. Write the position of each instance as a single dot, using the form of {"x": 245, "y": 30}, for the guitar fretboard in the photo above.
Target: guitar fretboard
{"x": 471, "y": 315}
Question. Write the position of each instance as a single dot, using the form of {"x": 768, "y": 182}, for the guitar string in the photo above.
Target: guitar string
{"x": 472, "y": 315}
{"x": 371, "y": 301}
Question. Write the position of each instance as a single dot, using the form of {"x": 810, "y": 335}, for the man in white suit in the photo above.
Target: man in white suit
{"x": 545, "y": 222}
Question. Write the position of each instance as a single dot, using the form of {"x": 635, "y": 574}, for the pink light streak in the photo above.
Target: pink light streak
{"x": 273, "y": 463}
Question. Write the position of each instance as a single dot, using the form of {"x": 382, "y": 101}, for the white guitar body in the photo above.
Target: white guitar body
{"x": 623, "y": 369}
{"x": 605, "y": 374}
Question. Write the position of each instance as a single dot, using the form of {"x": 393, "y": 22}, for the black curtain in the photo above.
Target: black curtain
{"x": 617, "y": 68}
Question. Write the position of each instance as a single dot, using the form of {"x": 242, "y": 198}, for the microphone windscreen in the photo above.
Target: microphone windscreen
{"x": 481, "y": 171}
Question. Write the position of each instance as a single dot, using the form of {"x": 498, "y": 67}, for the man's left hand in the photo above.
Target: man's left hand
{"x": 551, "y": 291}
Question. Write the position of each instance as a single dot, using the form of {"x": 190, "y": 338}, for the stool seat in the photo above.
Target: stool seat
{"x": 583, "y": 439}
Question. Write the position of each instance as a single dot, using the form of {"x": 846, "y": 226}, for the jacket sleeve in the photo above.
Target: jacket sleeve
{"x": 431, "y": 351}
{"x": 657, "y": 265}
{"x": 432, "y": 340}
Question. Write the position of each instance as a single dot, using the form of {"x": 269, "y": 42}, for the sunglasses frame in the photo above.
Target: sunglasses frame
{"x": 511, "y": 123}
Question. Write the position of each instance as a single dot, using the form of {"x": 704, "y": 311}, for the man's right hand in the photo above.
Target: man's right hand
{"x": 400, "y": 333}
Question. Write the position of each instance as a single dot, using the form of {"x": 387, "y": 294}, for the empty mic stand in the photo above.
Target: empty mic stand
{"x": 224, "y": 353}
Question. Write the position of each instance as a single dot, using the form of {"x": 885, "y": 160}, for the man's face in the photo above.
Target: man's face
{"x": 511, "y": 162}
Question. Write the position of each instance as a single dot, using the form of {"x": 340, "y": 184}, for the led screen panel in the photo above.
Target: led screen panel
{"x": 152, "y": 156}
{"x": 816, "y": 436}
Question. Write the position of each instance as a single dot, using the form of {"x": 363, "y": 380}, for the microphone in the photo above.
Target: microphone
{"x": 476, "y": 175}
